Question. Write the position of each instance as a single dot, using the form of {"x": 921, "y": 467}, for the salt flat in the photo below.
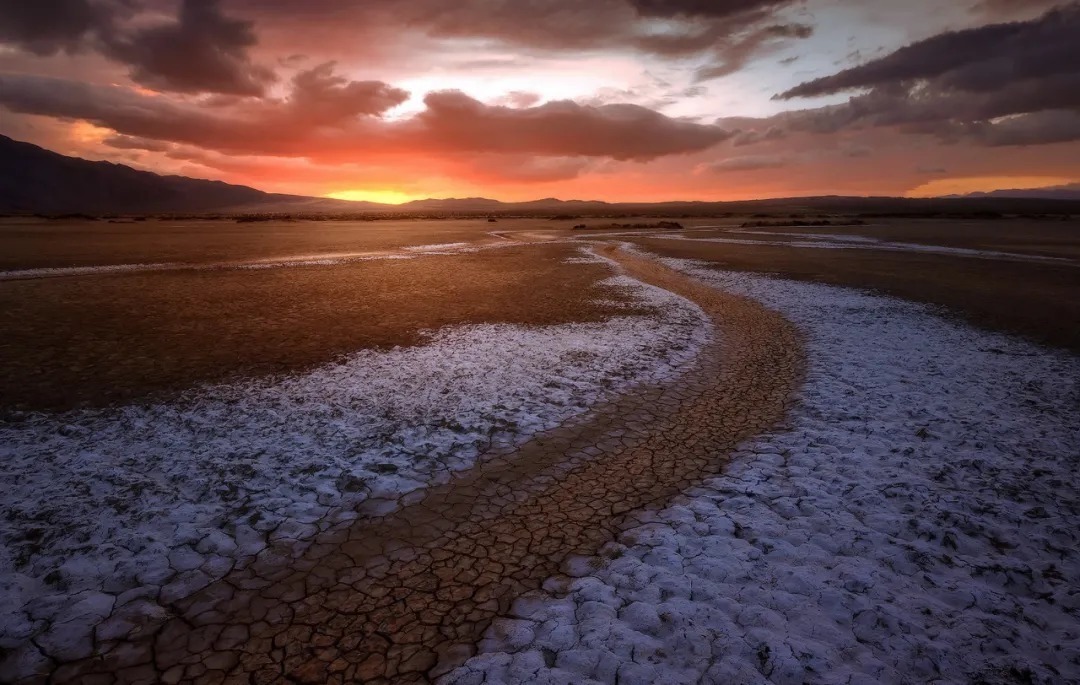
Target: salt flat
{"x": 152, "y": 503}
{"x": 269, "y": 429}
{"x": 917, "y": 522}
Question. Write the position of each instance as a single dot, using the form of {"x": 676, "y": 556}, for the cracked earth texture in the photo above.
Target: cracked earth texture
{"x": 405, "y": 597}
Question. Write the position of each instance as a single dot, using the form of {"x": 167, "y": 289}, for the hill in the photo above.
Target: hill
{"x": 36, "y": 180}
{"x": 1065, "y": 192}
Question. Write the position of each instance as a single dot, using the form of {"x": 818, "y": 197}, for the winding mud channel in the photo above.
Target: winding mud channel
{"x": 405, "y": 597}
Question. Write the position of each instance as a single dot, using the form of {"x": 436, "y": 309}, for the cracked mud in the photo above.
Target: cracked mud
{"x": 405, "y": 597}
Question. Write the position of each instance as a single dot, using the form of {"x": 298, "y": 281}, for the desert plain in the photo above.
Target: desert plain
{"x": 534, "y": 449}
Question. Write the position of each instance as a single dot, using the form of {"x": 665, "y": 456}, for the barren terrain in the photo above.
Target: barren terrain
{"x": 517, "y": 452}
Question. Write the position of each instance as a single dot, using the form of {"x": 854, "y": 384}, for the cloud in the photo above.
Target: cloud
{"x": 327, "y": 117}
{"x": 202, "y": 51}
{"x": 122, "y": 142}
{"x": 501, "y": 169}
{"x": 318, "y": 104}
{"x": 1014, "y": 83}
{"x": 1004, "y": 9}
{"x": 726, "y": 31}
{"x": 45, "y": 27}
{"x": 705, "y": 8}
{"x": 756, "y": 135}
{"x": 560, "y": 128}
{"x": 206, "y": 49}
{"x": 320, "y": 96}
{"x": 1038, "y": 128}
{"x": 518, "y": 98}
{"x": 747, "y": 163}
{"x": 976, "y": 59}
{"x": 856, "y": 151}
{"x": 735, "y": 54}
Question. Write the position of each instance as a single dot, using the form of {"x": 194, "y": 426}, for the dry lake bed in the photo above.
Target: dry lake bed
{"x": 473, "y": 451}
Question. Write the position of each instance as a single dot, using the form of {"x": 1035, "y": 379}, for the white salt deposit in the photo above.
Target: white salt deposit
{"x": 443, "y": 248}
{"x": 328, "y": 259}
{"x": 59, "y": 271}
{"x": 159, "y": 500}
{"x": 918, "y": 522}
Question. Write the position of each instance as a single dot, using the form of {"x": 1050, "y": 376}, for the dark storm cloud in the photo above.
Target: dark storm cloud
{"x": 45, "y": 27}
{"x": 1015, "y": 83}
{"x": 329, "y": 118}
{"x": 202, "y": 51}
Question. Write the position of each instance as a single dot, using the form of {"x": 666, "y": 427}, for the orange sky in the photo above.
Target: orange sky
{"x": 619, "y": 100}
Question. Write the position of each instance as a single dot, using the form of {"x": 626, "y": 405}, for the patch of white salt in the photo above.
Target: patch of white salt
{"x": 918, "y": 522}
{"x": 164, "y": 498}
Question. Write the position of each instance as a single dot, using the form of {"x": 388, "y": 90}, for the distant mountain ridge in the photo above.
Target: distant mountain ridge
{"x": 34, "y": 180}
{"x": 481, "y": 204}
{"x": 1065, "y": 192}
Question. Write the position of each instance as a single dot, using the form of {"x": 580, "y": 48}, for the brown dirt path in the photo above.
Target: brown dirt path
{"x": 405, "y": 597}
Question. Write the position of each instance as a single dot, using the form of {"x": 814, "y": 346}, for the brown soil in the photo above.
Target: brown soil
{"x": 99, "y": 340}
{"x": 1038, "y": 300}
{"x": 1025, "y": 236}
{"x": 26, "y": 244}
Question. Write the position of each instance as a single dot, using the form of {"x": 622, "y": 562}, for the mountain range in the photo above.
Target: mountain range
{"x": 34, "y": 180}
{"x": 1065, "y": 192}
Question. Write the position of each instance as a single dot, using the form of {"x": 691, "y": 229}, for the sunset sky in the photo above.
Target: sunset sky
{"x": 620, "y": 100}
